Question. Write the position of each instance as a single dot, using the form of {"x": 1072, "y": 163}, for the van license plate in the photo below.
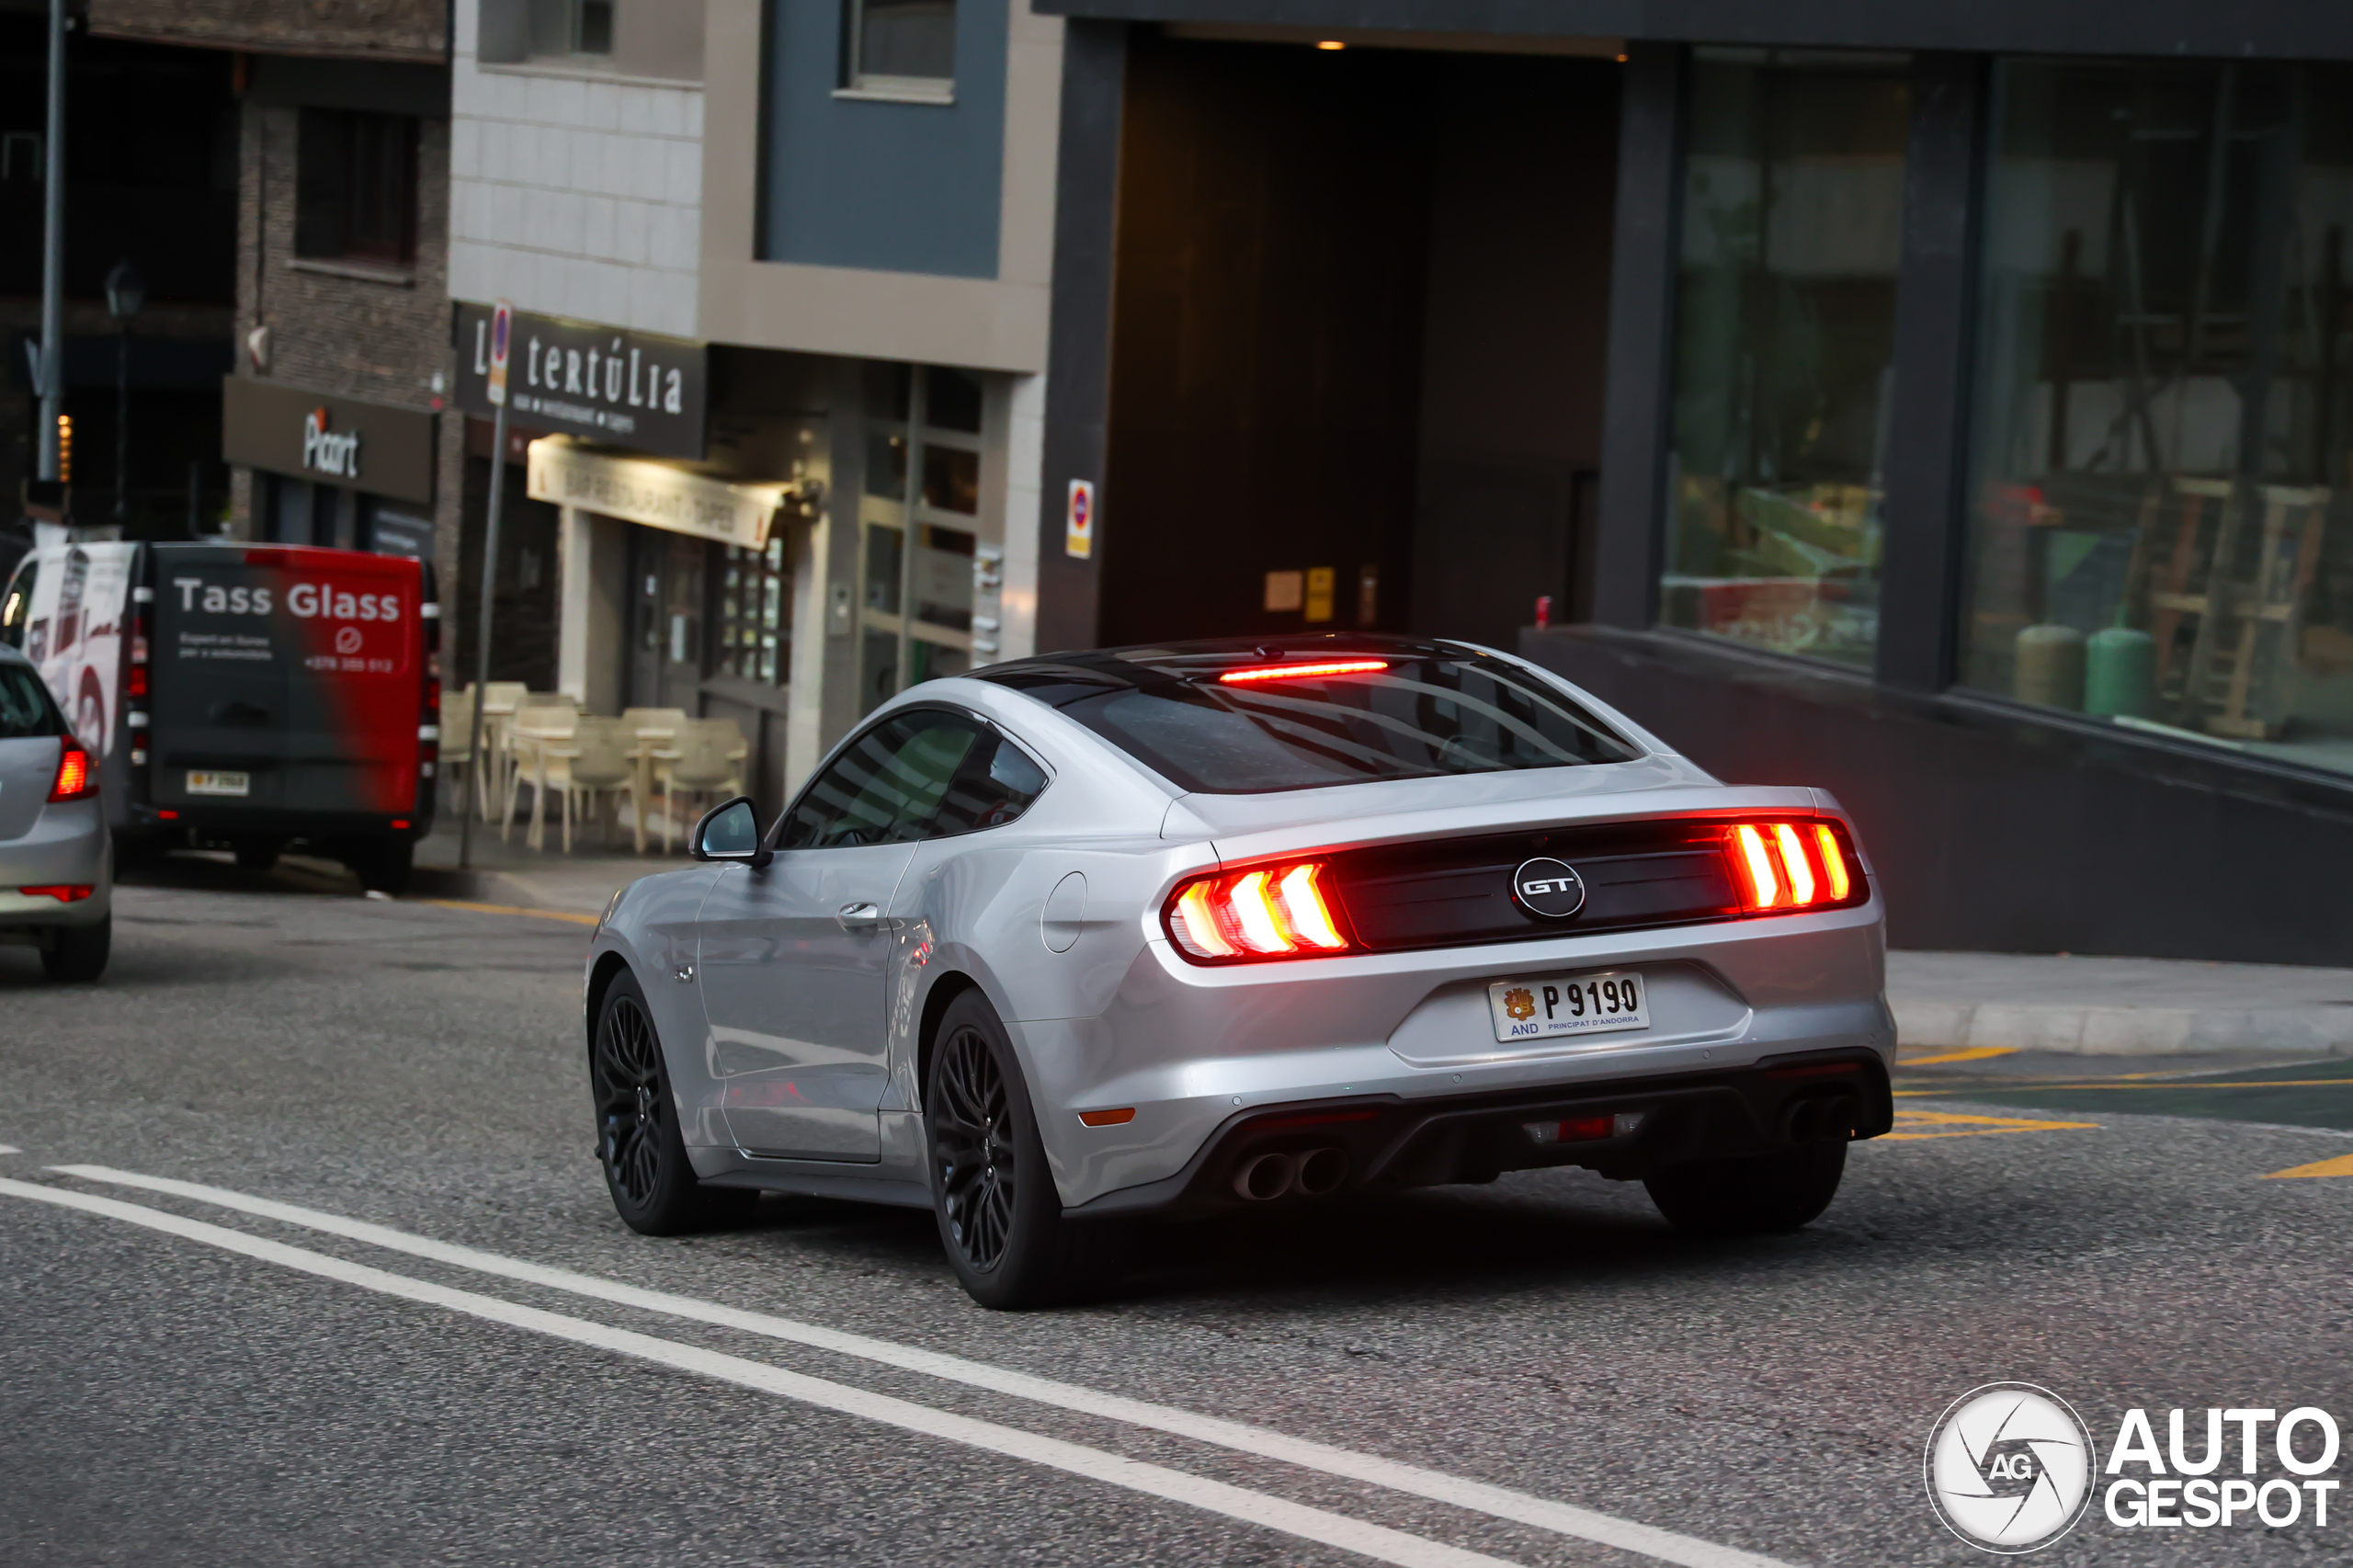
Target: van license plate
{"x": 1555, "y": 1004}
{"x": 218, "y": 783}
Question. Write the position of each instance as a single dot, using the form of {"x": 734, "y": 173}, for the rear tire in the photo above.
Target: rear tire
{"x": 1760, "y": 1196}
{"x": 383, "y": 865}
{"x": 78, "y": 954}
{"x": 653, "y": 1186}
{"x": 1000, "y": 1217}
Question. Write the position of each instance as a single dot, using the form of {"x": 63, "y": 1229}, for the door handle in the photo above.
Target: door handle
{"x": 858, "y": 917}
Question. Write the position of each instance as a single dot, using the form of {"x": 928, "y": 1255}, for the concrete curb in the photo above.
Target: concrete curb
{"x": 2123, "y": 1031}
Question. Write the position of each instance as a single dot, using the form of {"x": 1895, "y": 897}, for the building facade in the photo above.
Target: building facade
{"x": 1940, "y": 405}
{"x": 150, "y": 181}
{"x": 832, "y": 225}
{"x": 330, "y": 418}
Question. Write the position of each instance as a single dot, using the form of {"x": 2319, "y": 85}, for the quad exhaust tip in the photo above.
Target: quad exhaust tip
{"x": 1262, "y": 1178}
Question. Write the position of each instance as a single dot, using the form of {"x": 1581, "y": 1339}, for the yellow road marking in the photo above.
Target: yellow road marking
{"x": 1974, "y": 1054}
{"x": 509, "y": 909}
{"x": 2341, "y": 1166}
{"x": 1972, "y": 1126}
{"x": 1960, "y": 1090}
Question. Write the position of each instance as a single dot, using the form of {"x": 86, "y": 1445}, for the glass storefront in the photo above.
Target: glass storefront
{"x": 2159, "y": 532}
{"x": 942, "y": 414}
{"x": 1785, "y": 309}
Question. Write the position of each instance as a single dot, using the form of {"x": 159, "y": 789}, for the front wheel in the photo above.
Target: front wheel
{"x": 1758, "y": 1196}
{"x": 1000, "y": 1218}
{"x": 653, "y": 1188}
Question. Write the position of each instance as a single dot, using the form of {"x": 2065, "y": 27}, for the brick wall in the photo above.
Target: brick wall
{"x": 378, "y": 338}
{"x": 376, "y": 29}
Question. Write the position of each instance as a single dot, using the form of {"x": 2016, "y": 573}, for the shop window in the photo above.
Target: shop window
{"x": 2160, "y": 530}
{"x": 1785, "y": 310}
{"x": 899, "y": 48}
{"x": 756, "y": 615}
{"x": 356, "y": 188}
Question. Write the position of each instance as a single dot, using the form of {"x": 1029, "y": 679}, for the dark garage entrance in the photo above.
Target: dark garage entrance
{"x": 1357, "y": 338}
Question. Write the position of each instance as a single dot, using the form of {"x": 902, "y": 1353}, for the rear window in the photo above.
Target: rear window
{"x": 25, "y": 708}
{"x": 1422, "y": 716}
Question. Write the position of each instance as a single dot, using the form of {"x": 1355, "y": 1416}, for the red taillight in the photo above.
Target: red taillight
{"x": 138, "y": 681}
{"x": 64, "y": 892}
{"x": 1302, "y": 671}
{"x": 1784, "y": 865}
{"x": 76, "y": 777}
{"x": 1269, "y": 911}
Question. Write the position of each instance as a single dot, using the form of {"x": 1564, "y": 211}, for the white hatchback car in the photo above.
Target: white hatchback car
{"x": 1077, "y": 938}
{"x": 56, "y": 856}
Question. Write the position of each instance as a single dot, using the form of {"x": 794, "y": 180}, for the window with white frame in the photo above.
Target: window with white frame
{"x": 899, "y": 48}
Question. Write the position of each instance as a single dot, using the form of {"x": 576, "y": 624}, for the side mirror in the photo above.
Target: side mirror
{"x": 729, "y": 831}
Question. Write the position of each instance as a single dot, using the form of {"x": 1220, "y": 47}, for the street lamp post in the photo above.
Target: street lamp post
{"x": 126, "y": 291}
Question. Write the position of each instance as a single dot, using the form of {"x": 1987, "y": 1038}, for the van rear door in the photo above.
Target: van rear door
{"x": 288, "y": 681}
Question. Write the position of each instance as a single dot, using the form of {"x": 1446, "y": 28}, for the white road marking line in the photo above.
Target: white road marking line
{"x": 1377, "y": 1541}
{"x": 9, "y": 1149}
{"x": 1561, "y": 1518}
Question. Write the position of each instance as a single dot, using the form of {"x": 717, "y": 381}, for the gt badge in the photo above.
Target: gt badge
{"x": 1548, "y": 886}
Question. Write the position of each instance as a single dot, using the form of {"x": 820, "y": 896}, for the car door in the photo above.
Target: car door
{"x": 795, "y": 955}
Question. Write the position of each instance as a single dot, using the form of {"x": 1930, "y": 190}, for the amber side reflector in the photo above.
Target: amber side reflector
{"x": 1120, "y": 1117}
{"x": 1302, "y": 671}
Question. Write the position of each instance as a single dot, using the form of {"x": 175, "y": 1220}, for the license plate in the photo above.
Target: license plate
{"x": 218, "y": 783}
{"x": 1552, "y": 1005}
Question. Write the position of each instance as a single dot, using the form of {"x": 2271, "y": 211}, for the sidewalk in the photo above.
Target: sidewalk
{"x": 514, "y": 873}
{"x": 2100, "y": 1006}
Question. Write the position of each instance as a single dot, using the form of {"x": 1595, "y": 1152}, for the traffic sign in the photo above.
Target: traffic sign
{"x": 502, "y": 332}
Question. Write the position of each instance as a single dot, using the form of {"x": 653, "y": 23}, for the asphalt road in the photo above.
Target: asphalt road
{"x": 186, "y": 1382}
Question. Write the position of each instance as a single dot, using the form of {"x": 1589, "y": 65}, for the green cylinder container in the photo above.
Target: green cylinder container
{"x": 2050, "y": 667}
{"x": 2120, "y": 673}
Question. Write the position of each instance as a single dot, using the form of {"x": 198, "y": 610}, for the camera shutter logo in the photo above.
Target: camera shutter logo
{"x": 2009, "y": 1467}
{"x": 1548, "y": 886}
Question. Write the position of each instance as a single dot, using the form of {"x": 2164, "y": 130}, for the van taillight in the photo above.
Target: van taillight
{"x": 1269, "y": 911}
{"x": 1783, "y": 866}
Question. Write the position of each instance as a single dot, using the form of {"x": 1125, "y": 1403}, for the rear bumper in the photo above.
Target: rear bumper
{"x": 227, "y": 821}
{"x": 68, "y": 845}
{"x": 1390, "y": 1143}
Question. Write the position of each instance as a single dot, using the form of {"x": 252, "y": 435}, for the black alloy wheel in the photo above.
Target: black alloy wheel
{"x": 974, "y": 1160}
{"x": 1000, "y": 1216}
{"x": 653, "y": 1188}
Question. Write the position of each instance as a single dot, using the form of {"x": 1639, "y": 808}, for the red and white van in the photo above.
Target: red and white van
{"x": 245, "y": 695}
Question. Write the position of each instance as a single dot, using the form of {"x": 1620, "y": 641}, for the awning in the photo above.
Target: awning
{"x": 656, "y": 494}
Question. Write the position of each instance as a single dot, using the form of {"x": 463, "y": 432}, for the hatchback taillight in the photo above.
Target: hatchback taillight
{"x": 1783, "y": 866}
{"x": 1268, "y": 912}
{"x": 75, "y": 777}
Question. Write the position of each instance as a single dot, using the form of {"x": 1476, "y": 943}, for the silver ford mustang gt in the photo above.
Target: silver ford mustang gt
{"x": 1078, "y": 939}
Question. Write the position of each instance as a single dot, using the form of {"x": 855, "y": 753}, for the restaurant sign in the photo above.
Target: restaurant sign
{"x": 609, "y": 384}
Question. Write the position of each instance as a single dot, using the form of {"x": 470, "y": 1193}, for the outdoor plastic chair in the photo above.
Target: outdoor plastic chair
{"x": 706, "y": 759}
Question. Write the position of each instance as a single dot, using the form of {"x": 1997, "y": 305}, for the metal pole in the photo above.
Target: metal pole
{"x": 122, "y": 424}
{"x": 917, "y": 413}
{"x": 53, "y": 274}
{"x": 481, "y": 634}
